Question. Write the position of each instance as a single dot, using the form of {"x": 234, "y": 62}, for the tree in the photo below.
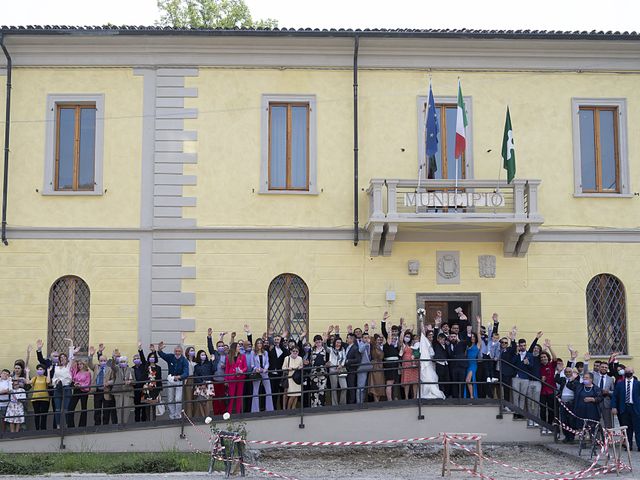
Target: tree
{"x": 227, "y": 14}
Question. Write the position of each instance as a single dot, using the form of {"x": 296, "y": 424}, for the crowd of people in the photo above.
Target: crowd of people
{"x": 455, "y": 359}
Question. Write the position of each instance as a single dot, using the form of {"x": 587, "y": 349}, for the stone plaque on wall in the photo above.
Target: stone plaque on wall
{"x": 487, "y": 266}
{"x": 447, "y": 268}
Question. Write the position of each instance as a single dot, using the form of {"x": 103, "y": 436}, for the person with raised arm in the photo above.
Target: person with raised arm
{"x": 178, "y": 372}
{"x": 219, "y": 357}
{"x": 428, "y": 375}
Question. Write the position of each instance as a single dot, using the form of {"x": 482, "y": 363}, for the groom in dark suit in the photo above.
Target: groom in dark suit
{"x": 625, "y": 402}
{"x": 352, "y": 362}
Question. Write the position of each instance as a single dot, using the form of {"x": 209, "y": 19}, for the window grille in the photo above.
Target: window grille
{"x": 606, "y": 315}
{"x": 69, "y": 314}
{"x": 288, "y": 308}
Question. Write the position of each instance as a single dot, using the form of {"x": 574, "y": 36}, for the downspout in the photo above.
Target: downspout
{"x": 7, "y": 127}
{"x": 355, "y": 140}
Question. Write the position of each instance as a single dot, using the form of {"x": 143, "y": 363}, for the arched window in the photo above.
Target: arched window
{"x": 606, "y": 315}
{"x": 288, "y": 307}
{"x": 68, "y": 314}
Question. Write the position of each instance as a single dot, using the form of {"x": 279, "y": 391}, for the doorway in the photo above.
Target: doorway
{"x": 447, "y": 303}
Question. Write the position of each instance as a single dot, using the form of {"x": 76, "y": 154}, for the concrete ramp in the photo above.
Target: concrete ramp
{"x": 360, "y": 424}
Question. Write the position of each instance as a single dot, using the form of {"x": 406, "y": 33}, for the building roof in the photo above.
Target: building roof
{"x": 316, "y": 32}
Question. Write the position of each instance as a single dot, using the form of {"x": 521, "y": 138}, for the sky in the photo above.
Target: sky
{"x": 605, "y": 15}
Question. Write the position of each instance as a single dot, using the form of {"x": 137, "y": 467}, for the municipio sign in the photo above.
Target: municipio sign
{"x": 453, "y": 199}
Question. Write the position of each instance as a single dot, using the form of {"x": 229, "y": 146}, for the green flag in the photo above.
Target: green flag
{"x": 508, "y": 149}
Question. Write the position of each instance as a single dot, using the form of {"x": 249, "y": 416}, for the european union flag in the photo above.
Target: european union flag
{"x": 432, "y": 134}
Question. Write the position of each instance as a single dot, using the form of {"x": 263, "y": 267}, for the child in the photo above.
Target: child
{"x": 15, "y": 411}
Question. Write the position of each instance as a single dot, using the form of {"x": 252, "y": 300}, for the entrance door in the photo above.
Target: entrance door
{"x": 447, "y": 304}
{"x": 448, "y": 310}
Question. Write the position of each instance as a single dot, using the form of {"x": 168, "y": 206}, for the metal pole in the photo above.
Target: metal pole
{"x": 355, "y": 140}
{"x": 301, "y": 425}
{"x": 7, "y": 126}
{"x": 420, "y": 415}
{"x": 500, "y": 395}
{"x": 62, "y": 420}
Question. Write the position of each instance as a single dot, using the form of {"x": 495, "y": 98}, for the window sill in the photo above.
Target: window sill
{"x": 62, "y": 193}
{"x": 288, "y": 192}
{"x": 603, "y": 195}
{"x": 606, "y": 357}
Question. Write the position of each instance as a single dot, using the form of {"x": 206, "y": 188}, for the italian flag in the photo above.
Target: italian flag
{"x": 461, "y": 125}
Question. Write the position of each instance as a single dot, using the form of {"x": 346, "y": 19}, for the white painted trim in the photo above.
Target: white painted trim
{"x": 264, "y": 143}
{"x": 604, "y": 235}
{"x": 50, "y": 142}
{"x": 334, "y": 52}
{"x": 444, "y": 99}
{"x": 621, "y": 103}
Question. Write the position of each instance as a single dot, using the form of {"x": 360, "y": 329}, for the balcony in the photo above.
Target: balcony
{"x": 438, "y": 211}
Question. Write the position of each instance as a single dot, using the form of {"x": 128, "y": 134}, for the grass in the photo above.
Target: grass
{"x": 161, "y": 462}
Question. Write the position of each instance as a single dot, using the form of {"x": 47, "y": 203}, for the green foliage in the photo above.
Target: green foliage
{"x": 28, "y": 464}
{"x": 225, "y": 14}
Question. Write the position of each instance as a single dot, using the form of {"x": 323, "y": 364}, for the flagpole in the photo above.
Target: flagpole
{"x": 423, "y": 164}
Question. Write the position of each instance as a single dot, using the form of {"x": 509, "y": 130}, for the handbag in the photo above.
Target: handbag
{"x": 160, "y": 408}
{"x": 255, "y": 376}
{"x": 297, "y": 377}
{"x": 284, "y": 382}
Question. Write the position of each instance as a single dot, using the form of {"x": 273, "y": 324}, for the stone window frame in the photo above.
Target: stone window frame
{"x": 264, "y": 143}
{"x": 623, "y": 152}
{"x": 53, "y": 100}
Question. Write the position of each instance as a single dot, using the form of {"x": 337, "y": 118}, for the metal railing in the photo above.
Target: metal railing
{"x": 129, "y": 400}
{"x": 397, "y": 200}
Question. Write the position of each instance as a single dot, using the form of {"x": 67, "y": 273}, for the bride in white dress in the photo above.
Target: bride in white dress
{"x": 428, "y": 390}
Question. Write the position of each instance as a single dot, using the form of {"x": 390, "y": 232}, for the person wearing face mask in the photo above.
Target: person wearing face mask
{"x": 376, "y": 376}
{"x": 337, "y": 372}
{"x": 203, "y": 391}
{"x": 294, "y": 389}
{"x": 625, "y": 403}
{"x": 40, "y": 396}
{"x": 104, "y": 377}
{"x": 187, "y": 390}
{"x": 391, "y": 351}
{"x": 219, "y": 357}
{"x": 151, "y": 390}
{"x": 140, "y": 375}
{"x": 235, "y": 370}
{"x": 261, "y": 377}
{"x": 123, "y": 389}
{"x": 248, "y": 383}
{"x": 587, "y": 399}
{"x": 409, "y": 376}
{"x": 177, "y": 374}
{"x": 81, "y": 379}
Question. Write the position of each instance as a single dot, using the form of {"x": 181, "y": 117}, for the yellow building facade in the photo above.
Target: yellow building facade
{"x": 180, "y": 227}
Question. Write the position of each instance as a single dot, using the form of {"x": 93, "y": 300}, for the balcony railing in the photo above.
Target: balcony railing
{"x": 507, "y": 211}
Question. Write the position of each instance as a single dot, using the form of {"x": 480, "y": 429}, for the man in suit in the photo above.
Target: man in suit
{"x": 457, "y": 354}
{"x": 277, "y": 353}
{"x": 442, "y": 366}
{"x": 103, "y": 401}
{"x": 353, "y": 358}
{"x": 605, "y": 383}
{"x": 522, "y": 361}
{"x": 625, "y": 402}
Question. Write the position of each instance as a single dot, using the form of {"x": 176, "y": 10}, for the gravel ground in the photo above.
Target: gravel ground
{"x": 414, "y": 461}
{"x": 396, "y": 462}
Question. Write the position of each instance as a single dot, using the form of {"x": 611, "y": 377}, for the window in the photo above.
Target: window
{"x": 69, "y": 314}
{"x": 288, "y": 150}
{"x": 288, "y": 308}
{"x": 74, "y": 145}
{"x": 600, "y": 159}
{"x": 445, "y": 165}
{"x": 606, "y": 315}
